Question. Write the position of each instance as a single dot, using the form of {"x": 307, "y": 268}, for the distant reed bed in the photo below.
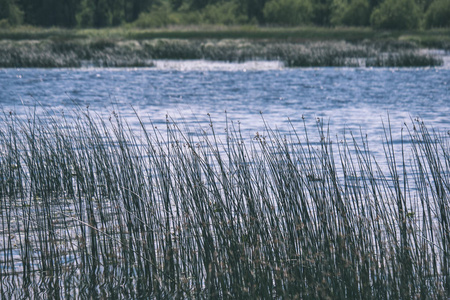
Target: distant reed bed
{"x": 76, "y": 53}
{"x": 91, "y": 208}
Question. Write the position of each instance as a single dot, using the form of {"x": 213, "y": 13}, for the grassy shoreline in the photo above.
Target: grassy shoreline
{"x": 297, "y": 47}
{"x": 427, "y": 38}
{"x": 140, "y": 53}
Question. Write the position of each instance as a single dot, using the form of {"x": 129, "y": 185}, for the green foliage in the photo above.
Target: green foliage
{"x": 176, "y": 4}
{"x": 200, "y": 4}
{"x": 226, "y": 13}
{"x": 158, "y": 16}
{"x": 322, "y": 12}
{"x": 185, "y": 16}
{"x": 355, "y": 13}
{"x": 102, "y": 14}
{"x": 254, "y": 9}
{"x": 438, "y": 14}
{"x": 118, "y": 12}
{"x": 15, "y": 15}
{"x": 10, "y": 13}
{"x": 396, "y": 14}
{"x": 50, "y": 12}
{"x": 4, "y": 9}
{"x": 424, "y": 4}
{"x": 287, "y": 12}
{"x": 381, "y": 14}
{"x": 85, "y": 18}
{"x": 4, "y": 24}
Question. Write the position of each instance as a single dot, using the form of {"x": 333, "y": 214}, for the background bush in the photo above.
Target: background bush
{"x": 158, "y": 16}
{"x": 396, "y": 14}
{"x": 288, "y": 12}
{"x": 226, "y": 13}
{"x": 381, "y": 14}
{"x": 438, "y": 14}
{"x": 10, "y": 13}
{"x": 223, "y": 13}
{"x": 353, "y": 13}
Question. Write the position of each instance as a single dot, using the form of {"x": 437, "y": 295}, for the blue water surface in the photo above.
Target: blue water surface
{"x": 350, "y": 99}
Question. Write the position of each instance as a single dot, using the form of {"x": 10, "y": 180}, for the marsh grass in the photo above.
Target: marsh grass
{"x": 91, "y": 207}
{"x": 402, "y": 59}
{"x": 427, "y": 38}
{"x": 140, "y": 53}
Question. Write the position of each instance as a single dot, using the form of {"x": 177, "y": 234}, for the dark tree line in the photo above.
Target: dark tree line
{"x": 70, "y": 13}
{"x": 391, "y": 14}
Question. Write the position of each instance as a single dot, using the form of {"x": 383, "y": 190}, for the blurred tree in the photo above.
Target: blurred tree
{"x": 396, "y": 14}
{"x": 10, "y": 11}
{"x": 50, "y": 12}
{"x": 176, "y": 4}
{"x": 4, "y": 9}
{"x": 322, "y": 10}
{"x": 85, "y": 16}
{"x": 30, "y": 9}
{"x": 438, "y": 14}
{"x": 102, "y": 14}
{"x": 287, "y": 12}
{"x": 58, "y": 13}
{"x": 133, "y": 8}
{"x": 139, "y": 6}
{"x": 118, "y": 12}
{"x": 157, "y": 16}
{"x": 225, "y": 13}
{"x": 374, "y": 3}
{"x": 351, "y": 13}
{"x": 392, "y": 14}
{"x": 424, "y": 4}
{"x": 254, "y": 9}
{"x": 199, "y": 4}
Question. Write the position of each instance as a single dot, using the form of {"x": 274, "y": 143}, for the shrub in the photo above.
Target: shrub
{"x": 184, "y": 16}
{"x": 287, "y": 12}
{"x": 355, "y": 13}
{"x": 158, "y": 16}
{"x": 438, "y": 14}
{"x": 4, "y": 24}
{"x": 396, "y": 14}
{"x": 10, "y": 14}
{"x": 102, "y": 14}
{"x": 226, "y": 13}
{"x": 85, "y": 18}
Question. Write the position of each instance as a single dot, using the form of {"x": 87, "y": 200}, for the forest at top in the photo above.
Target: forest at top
{"x": 378, "y": 14}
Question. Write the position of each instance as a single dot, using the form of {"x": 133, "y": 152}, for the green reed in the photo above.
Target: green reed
{"x": 140, "y": 53}
{"x": 92, "y": 207}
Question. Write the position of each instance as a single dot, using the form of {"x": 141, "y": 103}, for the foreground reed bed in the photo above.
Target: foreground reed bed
{"x": 140, "y": 53}
{"x": 93, "y": 208}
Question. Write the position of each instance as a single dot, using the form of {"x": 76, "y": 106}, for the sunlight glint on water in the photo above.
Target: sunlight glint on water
{"x": 346, "y": 98}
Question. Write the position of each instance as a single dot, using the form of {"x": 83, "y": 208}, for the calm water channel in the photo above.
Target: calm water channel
{"x": 346, "y": 98}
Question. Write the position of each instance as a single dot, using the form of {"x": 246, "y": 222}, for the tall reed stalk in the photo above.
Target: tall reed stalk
{"x": 92, "y": 207}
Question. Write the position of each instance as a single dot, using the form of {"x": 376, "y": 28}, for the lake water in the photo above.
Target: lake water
{"x": 348, "y": 99}
{"x": 345, "y": 98}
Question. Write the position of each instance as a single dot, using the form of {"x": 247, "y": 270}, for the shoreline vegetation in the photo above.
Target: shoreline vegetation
{"x": 93, "y": 208}
{"x": 25, "y": 47}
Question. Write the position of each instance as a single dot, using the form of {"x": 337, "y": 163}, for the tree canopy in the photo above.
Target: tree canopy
{"x": 383, "y": 14}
